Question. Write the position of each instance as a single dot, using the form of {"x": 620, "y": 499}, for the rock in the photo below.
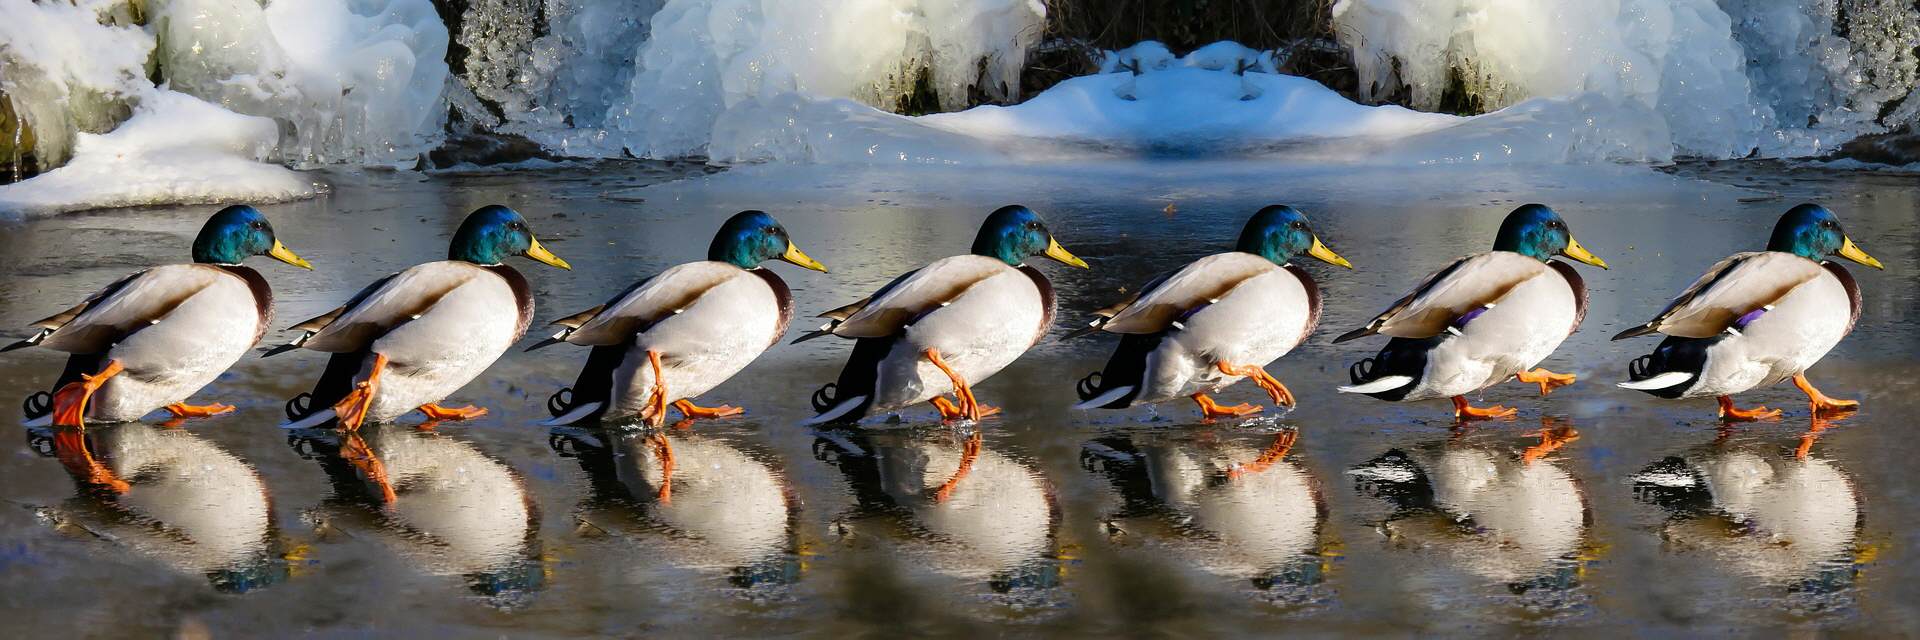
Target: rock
{"x": 1898, "y": 147}
{"x": 484, "y": 149}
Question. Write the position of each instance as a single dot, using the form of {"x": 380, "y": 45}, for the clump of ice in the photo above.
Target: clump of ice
{"x": 69, "y": 67}
{"x": 705, "y": 57}
{"x": 176, "y": 149}
{"x": 357, "y": 81}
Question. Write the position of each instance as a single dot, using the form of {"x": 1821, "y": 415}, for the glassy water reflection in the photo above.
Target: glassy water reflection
{"x": 1622, "y": 514}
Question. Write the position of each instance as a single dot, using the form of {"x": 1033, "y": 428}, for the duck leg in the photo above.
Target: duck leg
{"x": 1282, "y": 396}
{"x": 951, "y": 411}
{"x": 1464, "y": 411}
{"x": 656, "y": 410}
{"x": 437, "y": 413}
{"x": 1210, "y": 409}
{"x": 70, "y": 402}
{"x": 969, "y": 451}
{"x": 1822, "y": 405}
{"x": 70, "y": 446}
{"x": 184, "y": 410}
{"x": 1731, "y": 413}
{"x": 969, "y": 407}
{"x": 352, "y": 410}
{"x": 355, "y": 451}
{"x": 1547, "y": 380}
{"x": 690, "y": 410}
{"x": 1282, "y": 444}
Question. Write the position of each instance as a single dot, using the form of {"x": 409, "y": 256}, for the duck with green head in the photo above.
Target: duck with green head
{"x": 673, "y": 336}
{"x": 152, "y": 339}
{"x": 1758, "y": 318}
{"x": 409, "y": 340}
{"x": 946, "y": 326}
{"x": 1214, "y": 322}
{"x": 1485, "y": 319}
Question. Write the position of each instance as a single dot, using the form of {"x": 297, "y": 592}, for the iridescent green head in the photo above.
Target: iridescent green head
{"x": 237, "y": 232}
{"x": 1536, "y": 231}
{"x": 752, "y": 237}
{"x": 1014, "y": 233}
{"x": 492, "y": 233}
{"x": 1279, "y": 232}
{"x": 1812, "y": 232}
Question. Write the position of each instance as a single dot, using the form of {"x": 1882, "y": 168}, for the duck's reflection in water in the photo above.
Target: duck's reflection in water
{"x": 709, "y": 504}
{"x": 961, "y": 508}
{"x": 1502, "y": 510}
{"x": 1778, "y": 513}
{"x": 168, "y": 494}
{"x": 1233, "y": 506}
{"x": 436, "y": 500}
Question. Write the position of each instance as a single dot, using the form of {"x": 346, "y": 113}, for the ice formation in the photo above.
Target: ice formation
{"x": 1728, "y": 78}
{"x": 357, "y": 82}
{"x": 176, "y": 149}
{"x": 68, "y": 68}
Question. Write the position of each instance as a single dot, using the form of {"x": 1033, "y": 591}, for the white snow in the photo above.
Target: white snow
{"x": 176, "y": 149}
{"x": 66, "y": 68}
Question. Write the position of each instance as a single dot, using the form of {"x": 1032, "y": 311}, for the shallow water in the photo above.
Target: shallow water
{"x": 1379, "y": 518}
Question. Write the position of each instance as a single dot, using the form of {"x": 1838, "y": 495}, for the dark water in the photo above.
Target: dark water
{"x": 1596, "y": 510}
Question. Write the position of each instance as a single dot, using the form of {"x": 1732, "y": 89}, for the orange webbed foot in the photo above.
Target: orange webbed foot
{"x": 436, "y": 413}
{"x": 969, "y": 406}
{"x": 1732, "y": 413}
{"x": 1820, "y": 403}
{"x": 690, "y": 410}
{"x": 1464, "y": 411}
{"x": 184, "y": 410}
{"x": 1547, "y": 380}
{"x": 352, "y": 410}
{"x": 1210, "y": 409}
{"x": 70, "y": 402}
{"x": 1281, "y": 395}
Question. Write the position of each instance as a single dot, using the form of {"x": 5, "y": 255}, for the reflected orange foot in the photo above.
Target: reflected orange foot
{"x": 1732, "y": 413}
{"x": 969, "y": 451}
{"x": 1464, "y": 411}
{"x": 1547, "y": 380}
{"x": 184, "y": 410}
{"x": 1820, "y": 403}
{"x": 1551, "y": 440}
{"x": 437, "y": 413}
{"x": 70, "y": 402}
{"x": 1282, "y": 444}
{"x": 355, "y": 451}
{"x": 70, "y": 445}
{"x": 1210, "y": 409}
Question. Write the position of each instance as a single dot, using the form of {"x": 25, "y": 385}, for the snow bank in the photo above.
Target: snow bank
{"x": 176, "y": 149}
{"x": 357, "y": 81}
{"x": 68, "y": 68}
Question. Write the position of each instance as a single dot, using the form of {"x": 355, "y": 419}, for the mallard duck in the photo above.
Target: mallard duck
{"x": 1219, "y": 319}
{"x": 671, "y": 337}
{"x": 946, "y": 326}
{"x": 171, "y": 495}
{"x": 152, "y": 339}
{"x": 1785, "y": 519}
{"x": 435, "y": 500}
{"x": 1518, "y": 519}
{"x": 1757, "y": 318}
{"x": 980, "y": 514}
{"x": 410, "y": 339}
{"x": 1235, "y": 509}
{"x": 1485, "y": 319}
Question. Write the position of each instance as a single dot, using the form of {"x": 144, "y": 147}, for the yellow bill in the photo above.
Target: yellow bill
{"x": 1577, "y": 252}
{"x": 1327, "y": 255}
{"x": 798, "y": 257}
{"x": 1852, "y": 252}
{"x": 541, "y": 254}
{"x": 282, "y": 253}
{"x": 1057, "y": 252}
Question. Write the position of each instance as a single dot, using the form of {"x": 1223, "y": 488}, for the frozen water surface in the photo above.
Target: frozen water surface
{"x": 1381, "y": 518}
